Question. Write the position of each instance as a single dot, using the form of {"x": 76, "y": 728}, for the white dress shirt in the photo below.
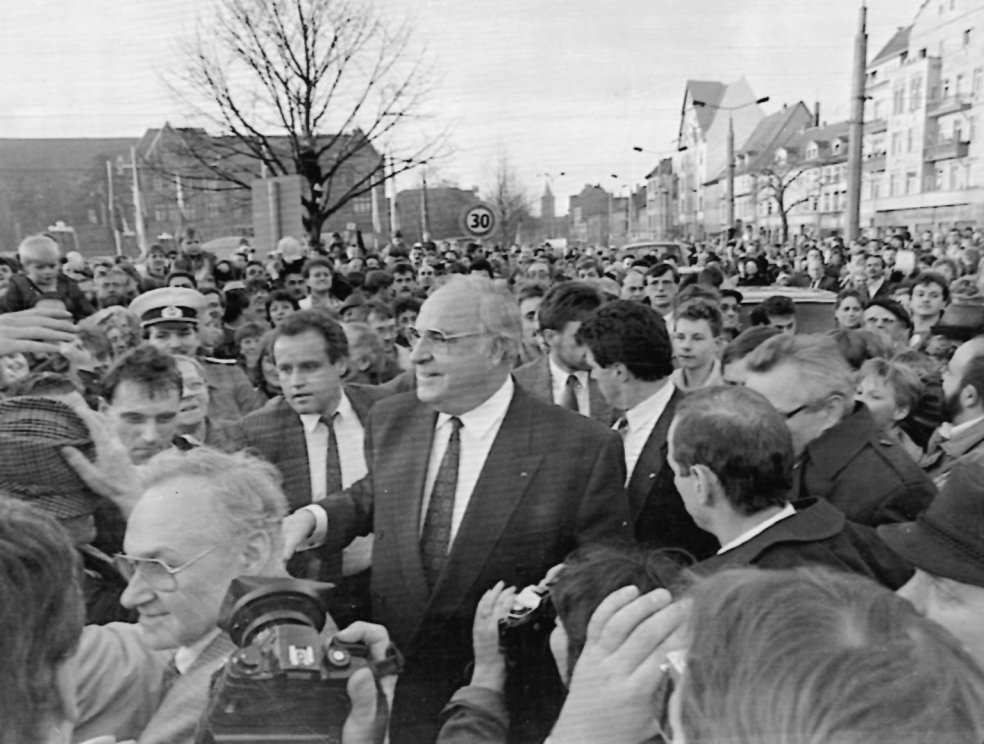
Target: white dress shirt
{"x": 185, "y": 656}
{"x": 558, "y": 384}
{"x": 787, "y": 511}
{"x": 479, "y": 428}
{"x": 641, "y": 419}
{"x": 351, "y": 455}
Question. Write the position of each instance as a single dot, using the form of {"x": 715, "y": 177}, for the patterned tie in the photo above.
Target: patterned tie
{"x": 333, "y": 466}
{"x": 436, "y": 535}
{"x": 569, "y": 398}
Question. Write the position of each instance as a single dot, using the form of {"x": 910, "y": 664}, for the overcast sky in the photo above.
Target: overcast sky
{"x": 558, "y": 85}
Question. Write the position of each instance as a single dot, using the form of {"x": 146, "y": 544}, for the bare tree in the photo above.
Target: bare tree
{"x": 786, "y": 185}
{"x": 319, "y": 88}
{"x": 509, "y": 198}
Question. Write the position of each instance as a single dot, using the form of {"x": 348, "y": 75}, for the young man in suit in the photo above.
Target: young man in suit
{"x": 631, "y": 358}
{"x": 314, "y": 433}
{"x": 471, "y": 480}
{"x": 561, "y": 376}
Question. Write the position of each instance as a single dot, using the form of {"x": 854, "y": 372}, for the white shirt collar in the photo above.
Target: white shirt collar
{"x": 344, "y": 410}
{"x": 957, "y": 430}
{"x": 186, "y": 655}
{"x": 556, "y": 373}
{"x": 645, "y": 412}
{"x": 787, "y": 511}
{"x": 480, "y": 420}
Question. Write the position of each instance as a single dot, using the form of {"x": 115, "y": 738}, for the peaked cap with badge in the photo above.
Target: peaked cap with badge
{"x": 169, "y": 304}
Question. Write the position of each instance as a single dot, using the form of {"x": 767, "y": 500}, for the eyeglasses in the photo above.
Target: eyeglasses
{"x": 437, "y": 340}
{"x": 154, "y": 571}
{"x": 805, "y": 407}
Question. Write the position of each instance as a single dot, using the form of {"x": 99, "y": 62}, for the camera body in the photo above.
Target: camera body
{"x": 525, "y": 631}
{"x": 281, "y": 684}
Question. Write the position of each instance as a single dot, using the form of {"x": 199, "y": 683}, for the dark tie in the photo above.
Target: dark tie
{"x": 622, "y": 426}
{"x": 436, "y": 535}
{"x": 569, "y": 398}
{"x": 170, "y": 676}
{"x": 333, "y": 465}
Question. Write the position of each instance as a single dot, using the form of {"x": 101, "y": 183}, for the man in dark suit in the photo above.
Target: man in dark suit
{"x": 561, "y": 376}
{"x": 733, "y": 460}
{"x": 314, "y": 433}
{"x": 471, "y": 480}
{"x": 631, "y": 359}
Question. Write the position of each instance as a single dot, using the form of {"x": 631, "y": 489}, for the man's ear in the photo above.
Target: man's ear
{"x": 708, "y": 484}
{"x": 257, "y": 553}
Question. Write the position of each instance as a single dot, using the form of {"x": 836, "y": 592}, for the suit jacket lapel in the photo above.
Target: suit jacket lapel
{"x": 295, "y": 449}
{"x": 417, "y": 440}
{"x": 544, "y": 384}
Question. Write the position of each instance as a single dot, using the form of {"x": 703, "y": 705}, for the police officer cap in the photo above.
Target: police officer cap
{"x": 169, "y": 305}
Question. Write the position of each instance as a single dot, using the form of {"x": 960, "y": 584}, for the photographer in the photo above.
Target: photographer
{"x": 477, "y": 713}
{"x": 203, "y": 519}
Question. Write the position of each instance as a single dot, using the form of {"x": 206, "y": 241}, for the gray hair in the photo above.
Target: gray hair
{"x": 821, "y": 366}
{"x": 246, "y": 491}
{"x": 498, "y": 311}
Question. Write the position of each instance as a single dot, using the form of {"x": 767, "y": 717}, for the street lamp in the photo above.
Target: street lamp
{"x": 731, "y": 149}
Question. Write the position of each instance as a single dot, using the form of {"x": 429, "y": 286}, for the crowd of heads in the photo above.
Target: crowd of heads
{"x": 802, "y": 655}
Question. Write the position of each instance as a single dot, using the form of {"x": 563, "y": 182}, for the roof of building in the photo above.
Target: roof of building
{"x": 774, "y": 131}
{"x": 896, "y": 45}
{"x": 708, "y": 91}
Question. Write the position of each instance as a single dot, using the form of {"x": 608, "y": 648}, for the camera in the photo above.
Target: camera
{"x": 524, "y": 632}
{"x": 281, "y": 684}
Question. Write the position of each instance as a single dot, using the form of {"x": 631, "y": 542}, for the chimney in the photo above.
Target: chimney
{"x": 816, "y": 114}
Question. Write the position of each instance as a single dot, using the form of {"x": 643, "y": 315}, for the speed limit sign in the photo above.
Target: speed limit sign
{"x": 479, "y": 220}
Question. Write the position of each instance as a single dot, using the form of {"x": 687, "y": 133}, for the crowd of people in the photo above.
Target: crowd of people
{"x": 590, "y": 495}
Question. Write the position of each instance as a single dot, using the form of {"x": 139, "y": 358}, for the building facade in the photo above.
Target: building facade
{"x": 923, "y": 156}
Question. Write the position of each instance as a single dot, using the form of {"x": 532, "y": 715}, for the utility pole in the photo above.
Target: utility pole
{"x": 731, "y": 172}
{"x": 856, "y": 130}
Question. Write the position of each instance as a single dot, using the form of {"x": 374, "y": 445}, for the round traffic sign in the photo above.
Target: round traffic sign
{"x": 479, "y": 220}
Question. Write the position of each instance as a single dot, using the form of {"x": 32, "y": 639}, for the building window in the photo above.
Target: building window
{"x": 362, "y": 204}
{"x": 158, "y": 184}
{"x": 213, "y": 209}
{"x": 160, "y": 213}
{"x": 966, "y": 37}
{"x": 908, "y": 140}
{"x": 911, "y": 183}
{"x": 93, "y": 217}
{"x": 898, "y": 101}
{"x": 190, "y": 212}
{"x": 892, "y": 185}
{"x": 896, "y": 143}
{"x": 915, "y": 93}
{"x": 959, "y": 88}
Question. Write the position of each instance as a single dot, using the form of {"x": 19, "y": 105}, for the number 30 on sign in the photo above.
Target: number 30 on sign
{"x": 479, "y": 220}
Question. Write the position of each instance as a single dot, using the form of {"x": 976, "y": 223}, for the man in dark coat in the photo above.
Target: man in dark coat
{"x": 471, "y": 480}
{"x": 733, "y": 460}
{"x": 841, "y": 455}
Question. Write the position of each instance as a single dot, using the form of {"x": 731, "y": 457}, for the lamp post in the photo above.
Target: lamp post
{"x": 731, "y": 149}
